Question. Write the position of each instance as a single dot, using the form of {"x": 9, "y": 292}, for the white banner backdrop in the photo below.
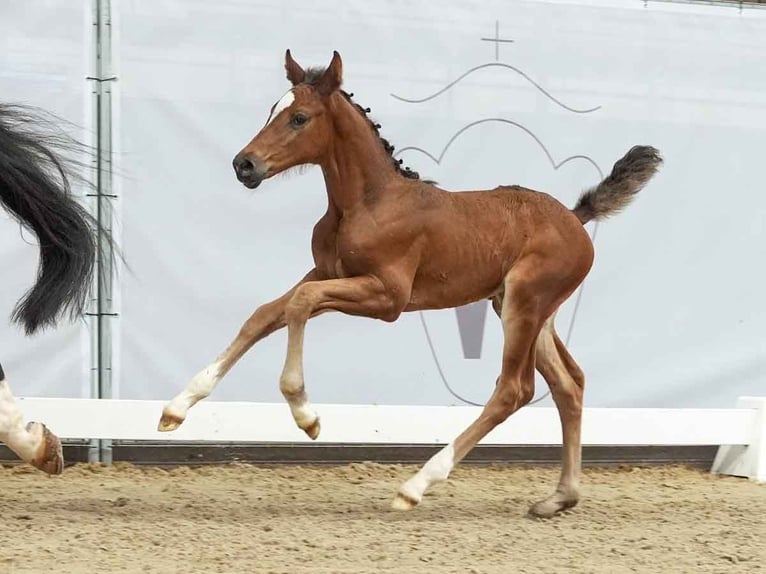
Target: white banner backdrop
{"x": 477, "y": 94}
{"x": 44, "y": 61}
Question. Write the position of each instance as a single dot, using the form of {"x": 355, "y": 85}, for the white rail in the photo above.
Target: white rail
{"x": 740, "y": 431}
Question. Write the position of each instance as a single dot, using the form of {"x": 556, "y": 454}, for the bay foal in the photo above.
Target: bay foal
{"x": 390, "y": 243}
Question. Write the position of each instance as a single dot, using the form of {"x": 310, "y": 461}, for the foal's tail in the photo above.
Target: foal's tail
{"x": 629, "y": 175}
{"x": 35, "y": 177}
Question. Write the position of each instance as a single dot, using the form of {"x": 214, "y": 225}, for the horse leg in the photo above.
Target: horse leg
{"x": 265, "y": 320}
{"x": 33, "y": 443}
{"x": 523, "y": 313}
{"x": 566, "y": 381}
{"x": 366, "y": 296}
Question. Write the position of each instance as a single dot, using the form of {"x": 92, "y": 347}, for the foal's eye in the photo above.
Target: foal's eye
{"x": 298, "y": 120}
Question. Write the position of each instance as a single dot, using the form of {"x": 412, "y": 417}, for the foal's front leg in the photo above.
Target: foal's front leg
{"x": 266, "y": 319}
{"x": 366, "y": 296}
{"x": 33, "y": 443}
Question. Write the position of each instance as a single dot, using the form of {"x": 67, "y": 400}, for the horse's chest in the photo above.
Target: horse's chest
{"x": 339, "y": 254}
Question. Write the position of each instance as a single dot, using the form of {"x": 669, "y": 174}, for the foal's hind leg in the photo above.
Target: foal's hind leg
{"x": 566, "y": 382}
{"x": 524, "y": 309}
{"x": 33, "y": 443}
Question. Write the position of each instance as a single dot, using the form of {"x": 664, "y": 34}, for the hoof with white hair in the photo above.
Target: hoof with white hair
{"x": 169, "y": 421}
{"x": 437, "y": 469}
{"x": 312, "y": 429}
{"x": 404, "y": 501}
{"x": 304, "y": 416}
{"x": 49, "y": 457}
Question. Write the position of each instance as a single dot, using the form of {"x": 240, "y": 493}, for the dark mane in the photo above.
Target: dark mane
{"x": 312, "y": 77}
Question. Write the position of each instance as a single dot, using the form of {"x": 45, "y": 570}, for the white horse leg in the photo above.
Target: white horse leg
{"x": 33, "y": 442}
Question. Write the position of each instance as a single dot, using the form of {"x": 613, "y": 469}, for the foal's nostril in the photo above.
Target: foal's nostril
{"x": 243, "y": 166}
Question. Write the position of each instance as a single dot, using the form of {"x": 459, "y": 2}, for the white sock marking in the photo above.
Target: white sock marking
{"x": 291, "y": 385}
{"x": 437, "y": 469}
{"x": 303, "y": 414}
{"x": 12, "y": 430}
{"x": 198, "y": 388}
{"x": 284, "y": 102}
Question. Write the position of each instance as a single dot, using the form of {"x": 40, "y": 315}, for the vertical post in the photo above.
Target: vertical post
{"x": 750, "y": 459}
{"x": 101, "y": 381}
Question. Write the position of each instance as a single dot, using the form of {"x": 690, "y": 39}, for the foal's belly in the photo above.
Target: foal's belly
{"x": 466, "y": 263}
{"x": 447, "y": 289}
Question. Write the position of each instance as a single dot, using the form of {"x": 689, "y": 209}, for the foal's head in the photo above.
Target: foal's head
{"x": 299, "y": 127}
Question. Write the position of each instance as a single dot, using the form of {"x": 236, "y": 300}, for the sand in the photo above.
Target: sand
{"x": 301, "y": 519}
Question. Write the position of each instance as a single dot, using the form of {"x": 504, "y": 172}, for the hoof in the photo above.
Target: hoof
{"x": 169, "y": 421}
{"x": 313, "y": 429}
{"x": 403, "y": 502}
{"x": 551, "y": 506}
{"x": 49, "y": 458}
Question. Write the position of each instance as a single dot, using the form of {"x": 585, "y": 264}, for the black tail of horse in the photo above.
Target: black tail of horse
{"x": 36, "y": 171}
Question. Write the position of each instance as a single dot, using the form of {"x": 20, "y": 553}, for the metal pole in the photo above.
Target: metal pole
{"x": 101, "y": 450}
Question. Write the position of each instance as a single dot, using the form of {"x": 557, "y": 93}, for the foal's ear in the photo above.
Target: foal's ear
{"x": 295, "y": 73}
{"x": 333, "y": 76}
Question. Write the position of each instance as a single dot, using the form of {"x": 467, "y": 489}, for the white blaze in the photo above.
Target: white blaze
{"x": 283, "y": 103}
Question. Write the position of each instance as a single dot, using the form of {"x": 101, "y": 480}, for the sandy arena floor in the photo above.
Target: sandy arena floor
{"x": 243, "y": 519}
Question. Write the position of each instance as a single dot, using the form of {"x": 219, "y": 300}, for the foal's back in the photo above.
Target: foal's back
{"x": 473, "y": 238}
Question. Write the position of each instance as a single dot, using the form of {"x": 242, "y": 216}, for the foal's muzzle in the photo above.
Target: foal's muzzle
{"x": 250, "y": 171}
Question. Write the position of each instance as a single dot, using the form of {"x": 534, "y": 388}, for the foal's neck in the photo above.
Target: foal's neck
{"x": 357, "y": 166}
